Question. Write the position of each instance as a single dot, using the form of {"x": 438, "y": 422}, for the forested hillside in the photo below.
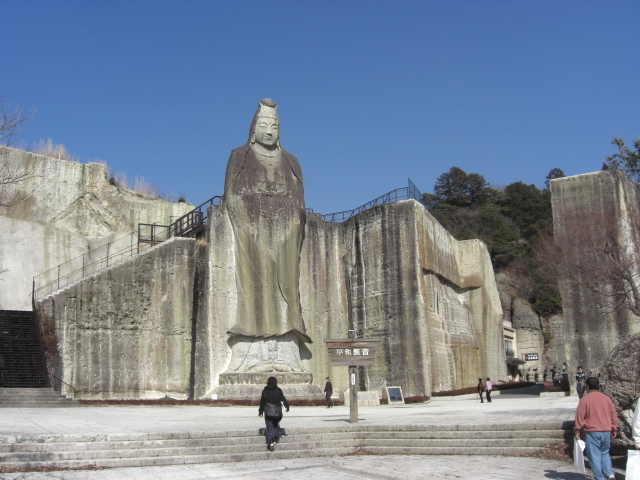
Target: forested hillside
{"x": 510, "y": 219}
{"x": 513, "y": 221}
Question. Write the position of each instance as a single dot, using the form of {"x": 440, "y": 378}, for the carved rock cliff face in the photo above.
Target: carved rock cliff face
{"x": 67, "y": 209}
{"x": 590, "y": 207}
{"x": 430, "y": 299}
{"x": 126, "y": 331}
{"x": 392, "y": 272}
{"x": 78, "y": 198}
{"x": 534, "y": 334}
{"x": 619, "y": 378}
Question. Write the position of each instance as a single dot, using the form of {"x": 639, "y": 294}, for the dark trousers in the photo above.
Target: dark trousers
{"x": 488, "y": 395}
{"x": 328, "y": 397}
{"x": 273, "y": 429}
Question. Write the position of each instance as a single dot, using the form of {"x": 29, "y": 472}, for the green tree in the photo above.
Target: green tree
{"x": 626, "y": 159}
{"x": 461, "y": 189}
{"x": 553, "y": 174}
{"x": 528, "y": 207}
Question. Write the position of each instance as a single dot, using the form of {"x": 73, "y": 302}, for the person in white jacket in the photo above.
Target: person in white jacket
{"x": 635, "y": 424}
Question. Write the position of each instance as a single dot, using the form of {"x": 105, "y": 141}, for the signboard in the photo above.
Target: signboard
{"x": 352, "y": 352}
{"x": 528, "y": 357}
{"x": 394, "y": 394}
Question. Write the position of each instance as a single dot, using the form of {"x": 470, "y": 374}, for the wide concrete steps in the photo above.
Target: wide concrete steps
{"x": 34, "y": 398}
{"x": 131, "y": 450}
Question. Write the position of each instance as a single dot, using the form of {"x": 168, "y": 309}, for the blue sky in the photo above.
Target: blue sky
{"x": 369, "y": 92}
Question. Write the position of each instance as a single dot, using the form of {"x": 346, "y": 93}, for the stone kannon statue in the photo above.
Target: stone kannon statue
{"x": 264, "y": 199}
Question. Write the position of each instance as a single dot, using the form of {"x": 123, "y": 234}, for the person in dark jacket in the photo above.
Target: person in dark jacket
{"x": 580, "y": 379}
{"x": 328, "y": 391}
{"x": 271, "y": 407}
{"x": 480, "y": 389}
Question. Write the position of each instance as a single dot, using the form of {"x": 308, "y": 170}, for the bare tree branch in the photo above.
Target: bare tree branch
{"x": 595, "y": 252}
{"x": 12, "y": 173}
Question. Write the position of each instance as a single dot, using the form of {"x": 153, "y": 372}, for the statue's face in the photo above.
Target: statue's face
{"x": 267, "y": 130}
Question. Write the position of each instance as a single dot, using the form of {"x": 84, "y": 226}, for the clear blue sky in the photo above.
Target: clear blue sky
{"x": 369, "y": 92}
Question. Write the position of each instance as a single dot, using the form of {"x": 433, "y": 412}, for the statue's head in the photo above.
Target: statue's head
{"x": 265, "y": 127}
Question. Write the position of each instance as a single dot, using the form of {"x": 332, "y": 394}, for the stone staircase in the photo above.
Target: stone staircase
{"x": 137, "y": 450}
{"x": 34, "y": 398}
{"x": 21, "y": 356}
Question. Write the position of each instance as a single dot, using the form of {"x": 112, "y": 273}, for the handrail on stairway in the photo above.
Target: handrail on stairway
{"x": 51, "y": 375}
{"x": 188, "y": 225}
{"x": 125, "y": 246}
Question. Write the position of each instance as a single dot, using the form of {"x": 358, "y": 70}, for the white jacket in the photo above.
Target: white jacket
{"x": 635, "y": 423}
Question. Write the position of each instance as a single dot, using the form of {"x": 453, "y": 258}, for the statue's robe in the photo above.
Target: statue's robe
{"x": 267, "y": 212}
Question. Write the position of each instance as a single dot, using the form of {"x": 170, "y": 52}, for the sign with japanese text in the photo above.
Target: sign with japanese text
{"x": 528, "y": 357}
{"x": 352, "y": 352}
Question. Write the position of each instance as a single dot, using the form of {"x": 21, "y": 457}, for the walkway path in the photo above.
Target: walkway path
{"x": 144, "y": 419}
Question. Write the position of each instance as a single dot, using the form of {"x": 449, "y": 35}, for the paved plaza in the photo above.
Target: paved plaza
{"x": 143, "y": 419}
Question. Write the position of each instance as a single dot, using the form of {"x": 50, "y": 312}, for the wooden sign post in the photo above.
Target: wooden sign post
{"x": 352, "y": 353}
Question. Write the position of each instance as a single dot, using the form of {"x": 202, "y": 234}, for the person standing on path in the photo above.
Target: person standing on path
{"x": 489, "y": 387}
{"x": 480, "y": 390}
{"x": 580, "y": 378}
{"x": 328, "y": 391}
{"x": 596, "y": 417}
{"x": 271, "y": 406}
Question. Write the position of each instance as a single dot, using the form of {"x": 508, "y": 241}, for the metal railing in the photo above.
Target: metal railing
{"x": 118, "y": 250}
{"x": 56, "y": 384}
{"x": 86, "y": 264}
{"x": 187, "y": 225}
{"x": 405, "y": 193}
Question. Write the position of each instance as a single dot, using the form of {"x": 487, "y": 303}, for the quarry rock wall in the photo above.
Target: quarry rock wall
{"x": 157, "y": 324}
{"x": 27, "y": 249}
{"x": 430, "y": 299}
{"x": 534, "y": 334}
{"x": 392, "y": 272}
{"x": 78, "y": 197}
{"x": 126, "y": 332}
{"x": 63, "y": 209}
{"x": 605, "y": 203}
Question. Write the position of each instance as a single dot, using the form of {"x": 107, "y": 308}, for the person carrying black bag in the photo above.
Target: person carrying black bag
{"x": 271, "y": 406}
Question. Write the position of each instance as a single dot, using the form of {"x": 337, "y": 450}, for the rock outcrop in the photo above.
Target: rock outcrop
{"x": 596, "y": 226}
{"x": 619, "y": 378}
{"x": 126, "y": 331}
{"x": 392, "y": 272}
{"x": 65, "y": 209}
{"x": 533, "y": 334}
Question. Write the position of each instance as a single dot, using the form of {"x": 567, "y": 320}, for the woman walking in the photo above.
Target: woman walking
{"x": 271, "y": 406}
{"x": 489, "y": 387}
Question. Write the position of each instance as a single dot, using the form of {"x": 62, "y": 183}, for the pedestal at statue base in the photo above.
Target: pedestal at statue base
{"x": 249, "y": 386}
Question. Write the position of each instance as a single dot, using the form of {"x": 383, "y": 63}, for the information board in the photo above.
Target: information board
{"x": 394, "y": 394}
{"x": 352, "y": 352}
